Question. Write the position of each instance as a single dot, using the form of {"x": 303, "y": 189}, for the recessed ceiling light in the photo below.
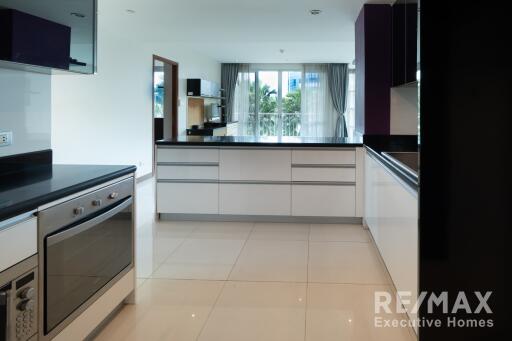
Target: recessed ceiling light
{"x": 315, "y": 11}
{"x": 130, "y": 11}
{"x": 78, "y": 15}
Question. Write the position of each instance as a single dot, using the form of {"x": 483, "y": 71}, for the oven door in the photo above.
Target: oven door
{"x": 82, "y": 259}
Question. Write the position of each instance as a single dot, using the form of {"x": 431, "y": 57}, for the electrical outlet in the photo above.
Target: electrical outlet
{"x": 5, "y": 138}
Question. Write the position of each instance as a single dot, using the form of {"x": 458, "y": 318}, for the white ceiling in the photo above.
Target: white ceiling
{"x": 245, "y": 30}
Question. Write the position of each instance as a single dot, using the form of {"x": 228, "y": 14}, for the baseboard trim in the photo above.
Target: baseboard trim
{"x": 144, "y": 177}
{"x": 259, "y": 218}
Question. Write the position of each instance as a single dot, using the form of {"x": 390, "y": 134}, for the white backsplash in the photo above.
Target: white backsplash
{"x": 25, "y": 110}
{"x": 404, "y": 110}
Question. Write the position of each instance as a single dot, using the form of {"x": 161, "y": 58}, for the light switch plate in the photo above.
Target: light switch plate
{"x": 5, "y": 138}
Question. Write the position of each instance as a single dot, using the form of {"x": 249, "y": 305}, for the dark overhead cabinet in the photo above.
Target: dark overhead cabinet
{"x": 48, "y": 36}
{"x": 373, "y": 69}
{"x": 405, "y": 41}
{"x": 32, "y": 40}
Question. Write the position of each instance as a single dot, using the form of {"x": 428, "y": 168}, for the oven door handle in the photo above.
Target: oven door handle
{"x": 56, "y": 238}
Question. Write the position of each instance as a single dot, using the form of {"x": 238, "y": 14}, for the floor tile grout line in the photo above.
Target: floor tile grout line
{"x": 266, "y": 281}
{"x": 173, "y": 251}
{"x": 225, "y": 282}
{"x": 307, "y": 288}
{"x": 241, "y": 250}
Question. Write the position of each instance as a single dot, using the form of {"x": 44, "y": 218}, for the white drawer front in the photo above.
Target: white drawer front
{"x": 17, "y": 242}
{"x": 324, "y": 174}
{"x": 257, "y": 165}
{"x": 254, "y": 199}
{"x": 323, "y": 200}
{"x": 188, "y": 172}
{"x": 187, "y": 198}
{"x": 187, "y": 155}
{"x": 325, "y": 157}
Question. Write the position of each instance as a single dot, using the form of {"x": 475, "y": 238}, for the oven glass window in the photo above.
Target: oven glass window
{"x": 81, "y": 260}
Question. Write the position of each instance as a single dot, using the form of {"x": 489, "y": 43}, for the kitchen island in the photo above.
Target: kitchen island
{"x": 266, "y": 178}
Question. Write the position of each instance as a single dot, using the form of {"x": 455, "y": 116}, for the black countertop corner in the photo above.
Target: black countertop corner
{"x": 32, "y": 186}
{"x": 248, "y": 141}
{"x": 376, "y": 145}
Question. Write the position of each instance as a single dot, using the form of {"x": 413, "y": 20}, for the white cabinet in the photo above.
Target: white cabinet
{"x": 254, "y": 199}
{"x": 370, "y": 196}
{"x": 18, "y": 240}
{"x": 323, "y": 200}
{"x": 255, "y": 164}
{"x": 326, "y": 157}
{"x": 188, "y": 198}
{"x": 187, "y": 172}
{"x": 392, "y": 215}
{"x": 187, "y": 155}
{"x": 270, "y": 181}
{"x": 323, "y": 174}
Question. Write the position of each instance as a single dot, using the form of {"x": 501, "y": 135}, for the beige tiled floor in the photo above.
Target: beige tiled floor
{"x": 212, "y": 281}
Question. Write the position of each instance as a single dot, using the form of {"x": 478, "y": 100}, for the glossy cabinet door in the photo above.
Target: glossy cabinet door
{"x": 44, "y": 36}
{"x": 192, "y": 172}
{"x": 323, "y": 201}
{"x": 392, "y": 216}
{"x": 255, "y": 164}
{"x": 191, "y": 155}
{"x": 370, "y": 197}
{"x": 187, "y": 198}
{"x": 405, "y": 41}
{"x": 254, "y": 199}
{"x": 18, "y": 240}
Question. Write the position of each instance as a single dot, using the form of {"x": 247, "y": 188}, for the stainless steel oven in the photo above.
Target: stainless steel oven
{"x": 86, "y": 245}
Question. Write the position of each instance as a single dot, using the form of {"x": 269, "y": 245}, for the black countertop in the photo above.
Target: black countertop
{"x": 376, "y": 145}
{"x": 41, "y": 184}
{"x": 247, "y": 141}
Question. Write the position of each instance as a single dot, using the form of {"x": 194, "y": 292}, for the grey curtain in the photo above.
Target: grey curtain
{"x": 229, "y": 76}
{"x": 337, "y": 77}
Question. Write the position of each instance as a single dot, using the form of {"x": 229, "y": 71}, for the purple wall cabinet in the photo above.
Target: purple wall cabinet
{"x": 29, "y": 39}
{"x": 373, "y": 69}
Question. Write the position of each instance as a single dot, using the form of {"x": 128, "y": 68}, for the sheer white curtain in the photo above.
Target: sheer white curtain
{"x": 241, "y": 106}
{"x": 318, "y": 114}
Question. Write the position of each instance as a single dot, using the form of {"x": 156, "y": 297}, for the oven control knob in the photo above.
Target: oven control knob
{"x": 79, "y": 211}
{"x": 97, "y": 202}
{"x": 113, "y": 195}
{"x": 26, "y": 305}
{"x": 27, "y": 293}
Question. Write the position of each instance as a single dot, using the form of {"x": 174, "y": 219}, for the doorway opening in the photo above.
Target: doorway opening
{"x": 165, "y": 98}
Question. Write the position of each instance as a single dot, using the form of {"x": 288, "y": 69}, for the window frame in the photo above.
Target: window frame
{"x": 279, "y": 68}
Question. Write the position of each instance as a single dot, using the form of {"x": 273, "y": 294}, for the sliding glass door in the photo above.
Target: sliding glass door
{"x": 275, "y": 103}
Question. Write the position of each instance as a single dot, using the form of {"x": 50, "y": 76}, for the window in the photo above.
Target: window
{"x": 275, "y": 107}
{"x": 158, "y": 94}
{"x": 288, "y": 100}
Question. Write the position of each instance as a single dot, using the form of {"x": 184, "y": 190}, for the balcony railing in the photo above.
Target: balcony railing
{"x": 269, "y": 124}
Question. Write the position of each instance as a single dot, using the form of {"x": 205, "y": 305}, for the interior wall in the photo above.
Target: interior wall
{"x": 107, "y": 118}
{"x": 404, "y": 110}
{"x": 25, "y": 110}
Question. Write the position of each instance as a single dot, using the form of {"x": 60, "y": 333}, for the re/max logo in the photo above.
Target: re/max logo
{"x": 383, "y": 302}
